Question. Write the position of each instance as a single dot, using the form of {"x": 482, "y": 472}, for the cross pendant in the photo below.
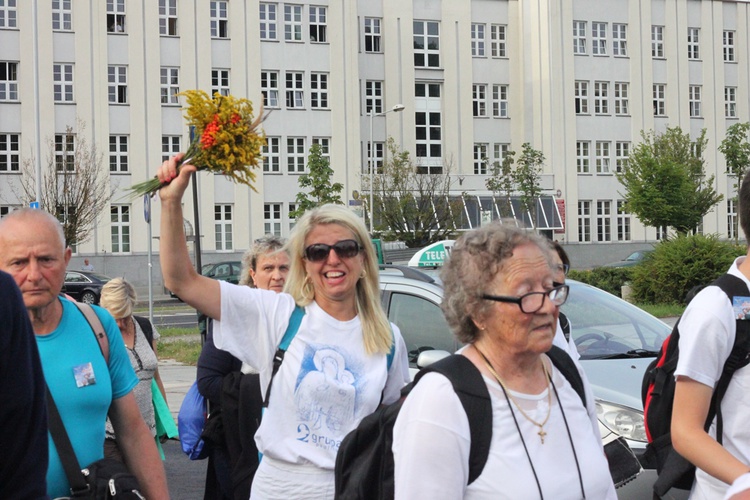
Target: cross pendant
{"x": 541, "y": 434}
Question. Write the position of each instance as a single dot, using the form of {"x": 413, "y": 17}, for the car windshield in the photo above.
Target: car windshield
{"x": 604, "y": 326}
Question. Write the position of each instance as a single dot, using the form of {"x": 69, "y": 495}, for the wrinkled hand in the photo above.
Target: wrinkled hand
{"x": 177, "y": 182}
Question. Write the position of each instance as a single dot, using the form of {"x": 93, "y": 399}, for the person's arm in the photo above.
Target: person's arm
{"x": 138, "y": 447}
{"x": 180, "y": 277}
{"x": 691, "y": 402}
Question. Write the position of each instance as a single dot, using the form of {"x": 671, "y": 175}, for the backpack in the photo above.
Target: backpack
{"x": 364, "y": 463}
{"x": 657, "y": 393}
{"x": 148, "y": 330}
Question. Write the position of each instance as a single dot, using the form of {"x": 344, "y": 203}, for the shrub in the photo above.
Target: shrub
{"x": 679, "y": 264}
{"x": 609, "y": 279}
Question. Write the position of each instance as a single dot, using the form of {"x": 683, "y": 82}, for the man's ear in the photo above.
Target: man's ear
{"x": 67, "y": 255}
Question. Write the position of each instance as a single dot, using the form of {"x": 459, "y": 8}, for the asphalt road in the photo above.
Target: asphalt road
{"x": 185, "y": 477}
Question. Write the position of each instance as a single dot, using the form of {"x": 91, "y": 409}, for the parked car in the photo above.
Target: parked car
{"x": 615, "y": 339}
{"x": 84, "y": 286}
{"x": 226, "y": 271}
{"x": 631, "y": 260}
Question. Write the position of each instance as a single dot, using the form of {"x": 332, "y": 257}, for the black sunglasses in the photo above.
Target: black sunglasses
{"x": 345, "y": 249}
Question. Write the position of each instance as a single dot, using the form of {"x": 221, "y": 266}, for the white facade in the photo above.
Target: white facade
{"x": 577, "y": 79}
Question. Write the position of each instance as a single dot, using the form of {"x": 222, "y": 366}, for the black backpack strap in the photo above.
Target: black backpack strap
{"x": 78, "y": 484}
{"x": 568, "y": 368}
{"x": 471, "y": 390}
{"x": 148, "y": 330}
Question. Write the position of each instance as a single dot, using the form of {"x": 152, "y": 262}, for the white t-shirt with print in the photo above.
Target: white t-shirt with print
{"x": 707, "y": 331}
{"x": 326, "y": 384}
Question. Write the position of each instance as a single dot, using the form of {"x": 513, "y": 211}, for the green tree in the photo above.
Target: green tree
{"x": 501, "y": 183}
{"x": 411, "y": 204}
{"x": 527, "y": 177}
{"x": 665, "y": 181}
{"x": 317, "y": 181}
{"x": 736, "y": 150}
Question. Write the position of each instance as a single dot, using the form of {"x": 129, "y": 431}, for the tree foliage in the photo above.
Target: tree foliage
{"x": 318, "y": 184}
{"x": 736, "y": 150}
{"x": 74, "y": 185}
{"x": 665, "y": 181}
{"x": 412, "y": 205}
{"x": 524, "y": 178}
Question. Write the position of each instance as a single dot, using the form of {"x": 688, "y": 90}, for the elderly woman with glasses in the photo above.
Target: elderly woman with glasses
{"x": 502, "y": 300}
{"x": 344, "y": 360}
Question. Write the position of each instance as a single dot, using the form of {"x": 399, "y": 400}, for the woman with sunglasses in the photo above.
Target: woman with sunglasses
{"x": 336, "y": 369}
{"x": 501, "y": 300}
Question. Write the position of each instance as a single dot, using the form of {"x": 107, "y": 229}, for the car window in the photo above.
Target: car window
{"x": 422, "y": 324}
{"x": 222, "y": 270}
{"x": 75, "y": 278}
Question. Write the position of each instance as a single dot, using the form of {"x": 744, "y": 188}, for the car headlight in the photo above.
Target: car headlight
{"x": 621, "y": 420}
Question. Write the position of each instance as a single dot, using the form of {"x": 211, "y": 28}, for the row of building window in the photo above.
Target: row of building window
{"x": 595, "y": 221}
{"x": 498, "y": 102}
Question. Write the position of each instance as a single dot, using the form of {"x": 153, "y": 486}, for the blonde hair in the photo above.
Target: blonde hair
{"x": 266, "y": 245}
{"x": 118, "y": 297}
{"x": 376, "y": 330}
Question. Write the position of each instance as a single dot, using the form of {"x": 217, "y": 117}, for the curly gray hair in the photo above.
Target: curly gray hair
{"x": 268, "y": 244}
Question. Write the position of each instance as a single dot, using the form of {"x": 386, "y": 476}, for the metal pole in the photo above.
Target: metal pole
{"x": 372, "y": 167}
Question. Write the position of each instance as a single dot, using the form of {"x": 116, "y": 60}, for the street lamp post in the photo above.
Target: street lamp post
{"x": 397, "y": 108}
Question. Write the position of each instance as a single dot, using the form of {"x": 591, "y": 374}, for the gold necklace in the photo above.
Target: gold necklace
{"x": 507, "y": 392}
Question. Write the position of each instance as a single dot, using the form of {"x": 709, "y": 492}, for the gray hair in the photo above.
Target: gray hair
{"x": 476, "y": 258}
{"x": 268, "y": 244}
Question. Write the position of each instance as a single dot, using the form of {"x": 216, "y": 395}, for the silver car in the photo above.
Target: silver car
{"x": 615, "y": 339}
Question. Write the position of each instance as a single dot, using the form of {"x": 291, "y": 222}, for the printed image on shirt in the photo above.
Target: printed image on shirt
{"x": 84, "y": 375}
{"x": 326, "y": 390}
{"x": 741, "y": 307}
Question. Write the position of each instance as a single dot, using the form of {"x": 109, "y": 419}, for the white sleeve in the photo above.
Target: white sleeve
{"x": 431, "y": 443}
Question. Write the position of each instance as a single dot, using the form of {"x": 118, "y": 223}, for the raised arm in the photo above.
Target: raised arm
{"x": 179, "y": 275}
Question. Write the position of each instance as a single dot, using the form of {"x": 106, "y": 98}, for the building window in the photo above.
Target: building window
{"x": 170, "y": 146}
{"x": 694, "y": 96}
{"x": 728, "y": 46}
{"x": 429, "y": 135}
{"x": 621, "y": 98}
{"x": 223, "y": 227}
{"x": 318, "y": 24}
{"x": 8, "y": 81}
{"x": 660, "y": 104}
{"x": 8, "y": 14}
{"x": 120, "y": 225}
{"x": 500, "y": 101}
{"x": 325, "y": 146}
{"x": 582, "y": 157}
{"x": 657, "y": 41}
{"x": 9, "y": 153}
{"x": 117, "y": 84}
{"x": 65, "y": 151}
{"x": 661, "y": 233}
{"x": 62, "y": 74}
{"x": 601, "y": 98}
{"x": 295, "y": 154}
{"x": 623, "y": 222}
{"x": 372, "y": 34}
{"x": 268, "y": 21}
{"x": 622, "y": 153}
{"x": 732, "y": 220}
{"x": 269, "y": 87}
{"x": 118, "y": 153}
{"x": 219, "y": 20}
{"x": 168, "y": 17}
{"x": 479, "y": 100}
{"x": 599, "y": 39}
{"x": 294, "y": 93}
{"x": 480, "y": 158}
{"x": 220, "y": 82}
{"x": 604, "y": 220}
{"x": 602, "y": 157}
{"x": 272, "y": 218}
{"x": 730, "y": 102}
{"x": 497, "y": 40}
{"x": 292, "y": 23}
{"x": 115, "y": 16}
{"x": 582, "y": 97}
{"x": 584, "y": 221}
{"x": 170, "y": 85}
{"x": 477, "y": 39}
{"x": 426, "y": 44}
{"x": 375, "y": 158}
{"x": 619, "y": 39}
{"x": 62, "y": 15}
{"x": 319, "y": 90}
{"x": 579, "y": 37}
{"x": 292, "y": 220}
{"x": 373, "y": 96}
{"x": 693, "y": 44}
{"x": 499, "y": 152}
{"x": 272, "y": 155}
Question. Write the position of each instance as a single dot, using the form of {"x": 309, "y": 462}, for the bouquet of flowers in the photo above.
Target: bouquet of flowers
{"x": 227, "y": 139}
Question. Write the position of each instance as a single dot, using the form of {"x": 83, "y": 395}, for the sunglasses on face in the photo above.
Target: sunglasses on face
{"x": 345, "y": 249}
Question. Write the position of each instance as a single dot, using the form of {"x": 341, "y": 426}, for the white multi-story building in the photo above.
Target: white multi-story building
{"x": 577, "y": 79}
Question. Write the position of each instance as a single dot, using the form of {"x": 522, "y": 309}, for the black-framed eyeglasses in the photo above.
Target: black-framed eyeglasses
{"x": 345, "y": 249}
{"x": 533, "y": 301}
